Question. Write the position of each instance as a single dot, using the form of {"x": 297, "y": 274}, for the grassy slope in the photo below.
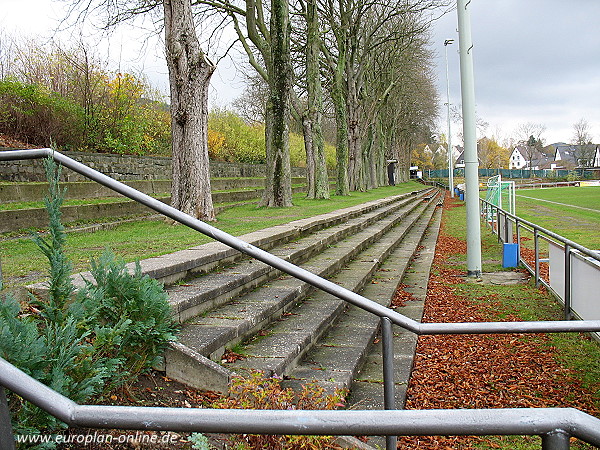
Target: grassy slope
{"x": 22, "y": 263}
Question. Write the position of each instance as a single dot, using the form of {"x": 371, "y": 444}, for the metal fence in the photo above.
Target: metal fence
{"x": 554, "y": 425}
{"x": 558, "y": 267}
{"x": 512, "y": 173}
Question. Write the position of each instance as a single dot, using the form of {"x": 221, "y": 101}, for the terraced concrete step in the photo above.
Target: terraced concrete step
{"x": 207, "y": 335}
{"x": 215, "y": 289}
{"x": 179, "y": 265}
{"x": 367, "y": 387}
{"x": 246, "y": 312}
{"x": 336, "y": 360}
{"x": 286, "y": 342}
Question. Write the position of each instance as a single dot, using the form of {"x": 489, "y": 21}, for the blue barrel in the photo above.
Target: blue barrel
{"x": 510, "y": 255}
{"x": 461, "y": 195}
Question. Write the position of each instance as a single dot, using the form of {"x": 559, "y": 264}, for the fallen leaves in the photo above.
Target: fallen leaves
{"x": 481, "y": 371}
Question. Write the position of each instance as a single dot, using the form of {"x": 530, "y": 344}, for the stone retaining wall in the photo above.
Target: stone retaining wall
{"x": 126, "y": 167}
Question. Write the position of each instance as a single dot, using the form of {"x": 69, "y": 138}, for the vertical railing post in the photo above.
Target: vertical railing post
{"x": 517, "y": 237}
{"x": 389, "y": 394}
{"x": 567, "y": 296}
{"x": 536, "y": 246}
{"x": 557, "y": 440}
{"x": 7, "y": 439}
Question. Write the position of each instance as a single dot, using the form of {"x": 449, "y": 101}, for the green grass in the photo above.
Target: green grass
{"x": 73, "y": 202}
{"x": 22, "y": 263}
{"x": 578, "y": 225}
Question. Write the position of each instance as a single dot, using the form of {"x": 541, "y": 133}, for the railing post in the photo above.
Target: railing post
{"x": 567, "y": 297}
{"x": 517, "y": 237}
{"x": 389, "y": 394}
{"x": 557, "y": 440}
{"x": 7, "y": 439}
{"x": 536, "y": 239}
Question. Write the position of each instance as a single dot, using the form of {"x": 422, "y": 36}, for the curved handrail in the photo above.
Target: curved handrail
{"x": 298, "y": 272}
{"x": 520, "y": 421}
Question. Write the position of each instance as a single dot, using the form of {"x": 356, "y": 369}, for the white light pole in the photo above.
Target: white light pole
{"x": 465, "y": 45}
{"x": 450, "y": 162}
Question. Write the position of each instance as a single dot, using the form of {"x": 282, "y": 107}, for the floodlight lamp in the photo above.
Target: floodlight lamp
{"x": 448, "y": 41}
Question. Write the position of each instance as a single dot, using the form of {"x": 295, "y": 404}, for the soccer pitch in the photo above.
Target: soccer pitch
{"x": 572, "y": 212}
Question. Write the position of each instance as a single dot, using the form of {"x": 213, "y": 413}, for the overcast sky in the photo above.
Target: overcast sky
{"x": 535, "y": 60}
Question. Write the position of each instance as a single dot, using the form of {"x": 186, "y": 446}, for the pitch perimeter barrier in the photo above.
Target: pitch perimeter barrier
{"x": 554, "y": 425}
{"x": 571, "y": 271}
{"x": 513, "y": 173}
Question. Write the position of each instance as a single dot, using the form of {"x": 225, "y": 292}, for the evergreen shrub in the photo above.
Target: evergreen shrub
{"x": 82, "y": 344}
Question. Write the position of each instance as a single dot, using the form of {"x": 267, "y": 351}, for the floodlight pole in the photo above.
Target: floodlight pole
{"x": 469, "y": 131}
{"x": 450, "y": 159}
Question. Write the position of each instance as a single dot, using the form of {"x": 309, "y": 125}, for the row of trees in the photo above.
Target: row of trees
{"x": 365, "y": 62}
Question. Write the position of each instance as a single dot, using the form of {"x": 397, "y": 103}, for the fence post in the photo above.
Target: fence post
{"x": 389, "y": 394}
{"x": 516, "y": 236}
{"x": 556, "y": 440}
{"x": 567, "y": 298}
{"x": 7, "y": 439}
{"x": 536, "y": 239}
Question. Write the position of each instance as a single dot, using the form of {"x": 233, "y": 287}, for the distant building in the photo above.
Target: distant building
{"x": 596, "y": 160}
{"x": 527, "y": 157}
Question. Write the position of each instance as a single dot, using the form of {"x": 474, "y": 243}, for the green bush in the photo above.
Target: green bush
{"x": 241, "y": 142}
{"x": 135, "y": 305}
{"x": 37, "y": 115}
{"x": 82, "y": 345}
{"x": 233, "y": 140}
{"x": 117, "y": 117}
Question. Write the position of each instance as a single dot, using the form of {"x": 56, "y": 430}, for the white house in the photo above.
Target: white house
{"x": 517, "y": 159}
{"x": 596, "y": 160}
{"x": 526, "y": 157}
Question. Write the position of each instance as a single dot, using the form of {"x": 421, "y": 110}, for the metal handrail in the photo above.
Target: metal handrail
{"x": 553, "y": 424}
{"x": 300, "y": 273}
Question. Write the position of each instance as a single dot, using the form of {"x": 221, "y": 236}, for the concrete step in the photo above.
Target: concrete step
{"x": 366, "y": 391}
{"x": 336, "y": 361}
{"x": 336, "y": 358}
{"x": 217, "y": 288}
{"x": 245, "y": 313}
{"x": 206, "y": 336}
{"x": 174, "y": 267}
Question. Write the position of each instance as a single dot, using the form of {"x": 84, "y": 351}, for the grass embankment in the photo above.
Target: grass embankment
{"x": 495, "y": 371}
{"x": 22, "y": 263}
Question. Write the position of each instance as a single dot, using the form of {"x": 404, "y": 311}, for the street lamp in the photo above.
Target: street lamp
{"x": 450, "y": 162}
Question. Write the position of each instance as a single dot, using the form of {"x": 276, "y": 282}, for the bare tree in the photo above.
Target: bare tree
{"x": 581, "y": 133}
{"x": 582, "y": 140}
{"x": 530, "y": 139}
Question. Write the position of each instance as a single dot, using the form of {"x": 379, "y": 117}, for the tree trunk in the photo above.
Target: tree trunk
{"x": 189, "y": 77}
{"x": 278, "y": 183}
{"x": 341, "y": 120}
{"x": 355, "y": 163}
{"x": 309, "y": 148}
{"x": 318, "y": 167}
